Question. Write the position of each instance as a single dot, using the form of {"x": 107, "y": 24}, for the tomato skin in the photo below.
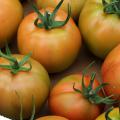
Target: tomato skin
{"x": 114, "y": 115}
{"x": 110, "y": 72}
{"x": 101, "y": 31}
{"x": 11, "y": 14}
{"x": 76, "y": 5}
{"x": 34, "y": 83}
{"x": 55, "y": 49}
{"x": 52, "y": 118}
{"x": 64, "y": 101}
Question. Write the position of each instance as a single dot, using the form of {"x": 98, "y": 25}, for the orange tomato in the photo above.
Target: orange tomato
{"x": 110, "y": 72}
{"x": 65, "y": 101}
{"x": 11, "y": 14}
{"x": 55, "y": 49}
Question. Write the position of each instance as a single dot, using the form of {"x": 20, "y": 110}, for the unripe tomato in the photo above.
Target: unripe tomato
{"x": 19, "y": 88}
{"x": 11, "y": 14}
{"x": 99, "y": 24}
{"x": 56, "y": 48}
{"x": 76, "y": 5}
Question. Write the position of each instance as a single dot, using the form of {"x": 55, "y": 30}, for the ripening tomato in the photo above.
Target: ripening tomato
{"x": 110, "y": 72}
{"x": 52, "y": 118}
{"x": 113, "y": 115}
{"x": 76, "y": 5}
{"x": 78, "y": 102}
{"x": 11, "y": 14}
{"x": 54, "y": 43}
{"x": 18, "y": 85}
{"x": 99, "y": 24}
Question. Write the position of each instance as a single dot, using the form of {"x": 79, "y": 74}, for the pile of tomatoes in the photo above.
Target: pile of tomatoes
{"x": 49, "y": 39}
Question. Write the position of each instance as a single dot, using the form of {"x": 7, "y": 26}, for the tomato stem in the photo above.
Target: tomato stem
{"x": 92, "y": 94}
{"x": 48, "y": 19}
{"x": 15, "y": 66}
{"x": 112, "y": 7}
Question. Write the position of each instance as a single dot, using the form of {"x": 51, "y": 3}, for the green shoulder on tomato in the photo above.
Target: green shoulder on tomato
{"x": 21, "y": 79}
{"x": 99, "y": 24}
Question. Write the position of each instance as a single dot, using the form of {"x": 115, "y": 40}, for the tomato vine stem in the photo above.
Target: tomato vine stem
{"x": 48, "y": 19}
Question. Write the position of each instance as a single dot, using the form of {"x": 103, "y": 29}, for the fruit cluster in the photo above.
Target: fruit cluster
{"x": 49, "y": 39}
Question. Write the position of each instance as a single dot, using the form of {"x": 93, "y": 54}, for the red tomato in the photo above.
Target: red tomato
{"x": 55, "y": 49}
{"x": 65, "y": 101}
{"x": 52, "y": 118}
{"x": 76, "y": 5}
{"x": 110, "y": 72}
{"x": 11, "y": 14}
{"x": 100, "y": 30}
{"x": 34, "y": 83}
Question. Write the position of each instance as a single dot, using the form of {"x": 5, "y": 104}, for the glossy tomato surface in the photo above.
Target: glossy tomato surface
{"x": 52, "y": 118}
{"x": 20, "y": 88}
{"x": 110, "y": 72}
{"x": 11, "y": 14}
{"x": 76, "y": 5}
{"x": 101, "y": 31}
{"x": 55, "y": 49}
{"x": 66, "y": 102}
{"x": 114, "y": 115}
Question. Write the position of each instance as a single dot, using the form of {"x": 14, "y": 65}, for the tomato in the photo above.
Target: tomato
{"x": 99, "y": 26}
{"x": 76, "y": 5}
{"x": 11, "y": 14}
{"x": 74, "y": 104}
{"x": 52, "y": 118}
{"x": 55, "y": 48}
{"x": 18, "y": 86}
{"x": 114, "y": 115}
{"x": 110, "y": 72}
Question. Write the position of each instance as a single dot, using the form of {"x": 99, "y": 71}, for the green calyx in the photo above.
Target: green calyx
{"x": 92, "y": 94}
{"x": 112, "y": 7}
{"x": 48, "y": 19}
{"x": 15, "y": 66}
{"x": 107, "y": 114}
